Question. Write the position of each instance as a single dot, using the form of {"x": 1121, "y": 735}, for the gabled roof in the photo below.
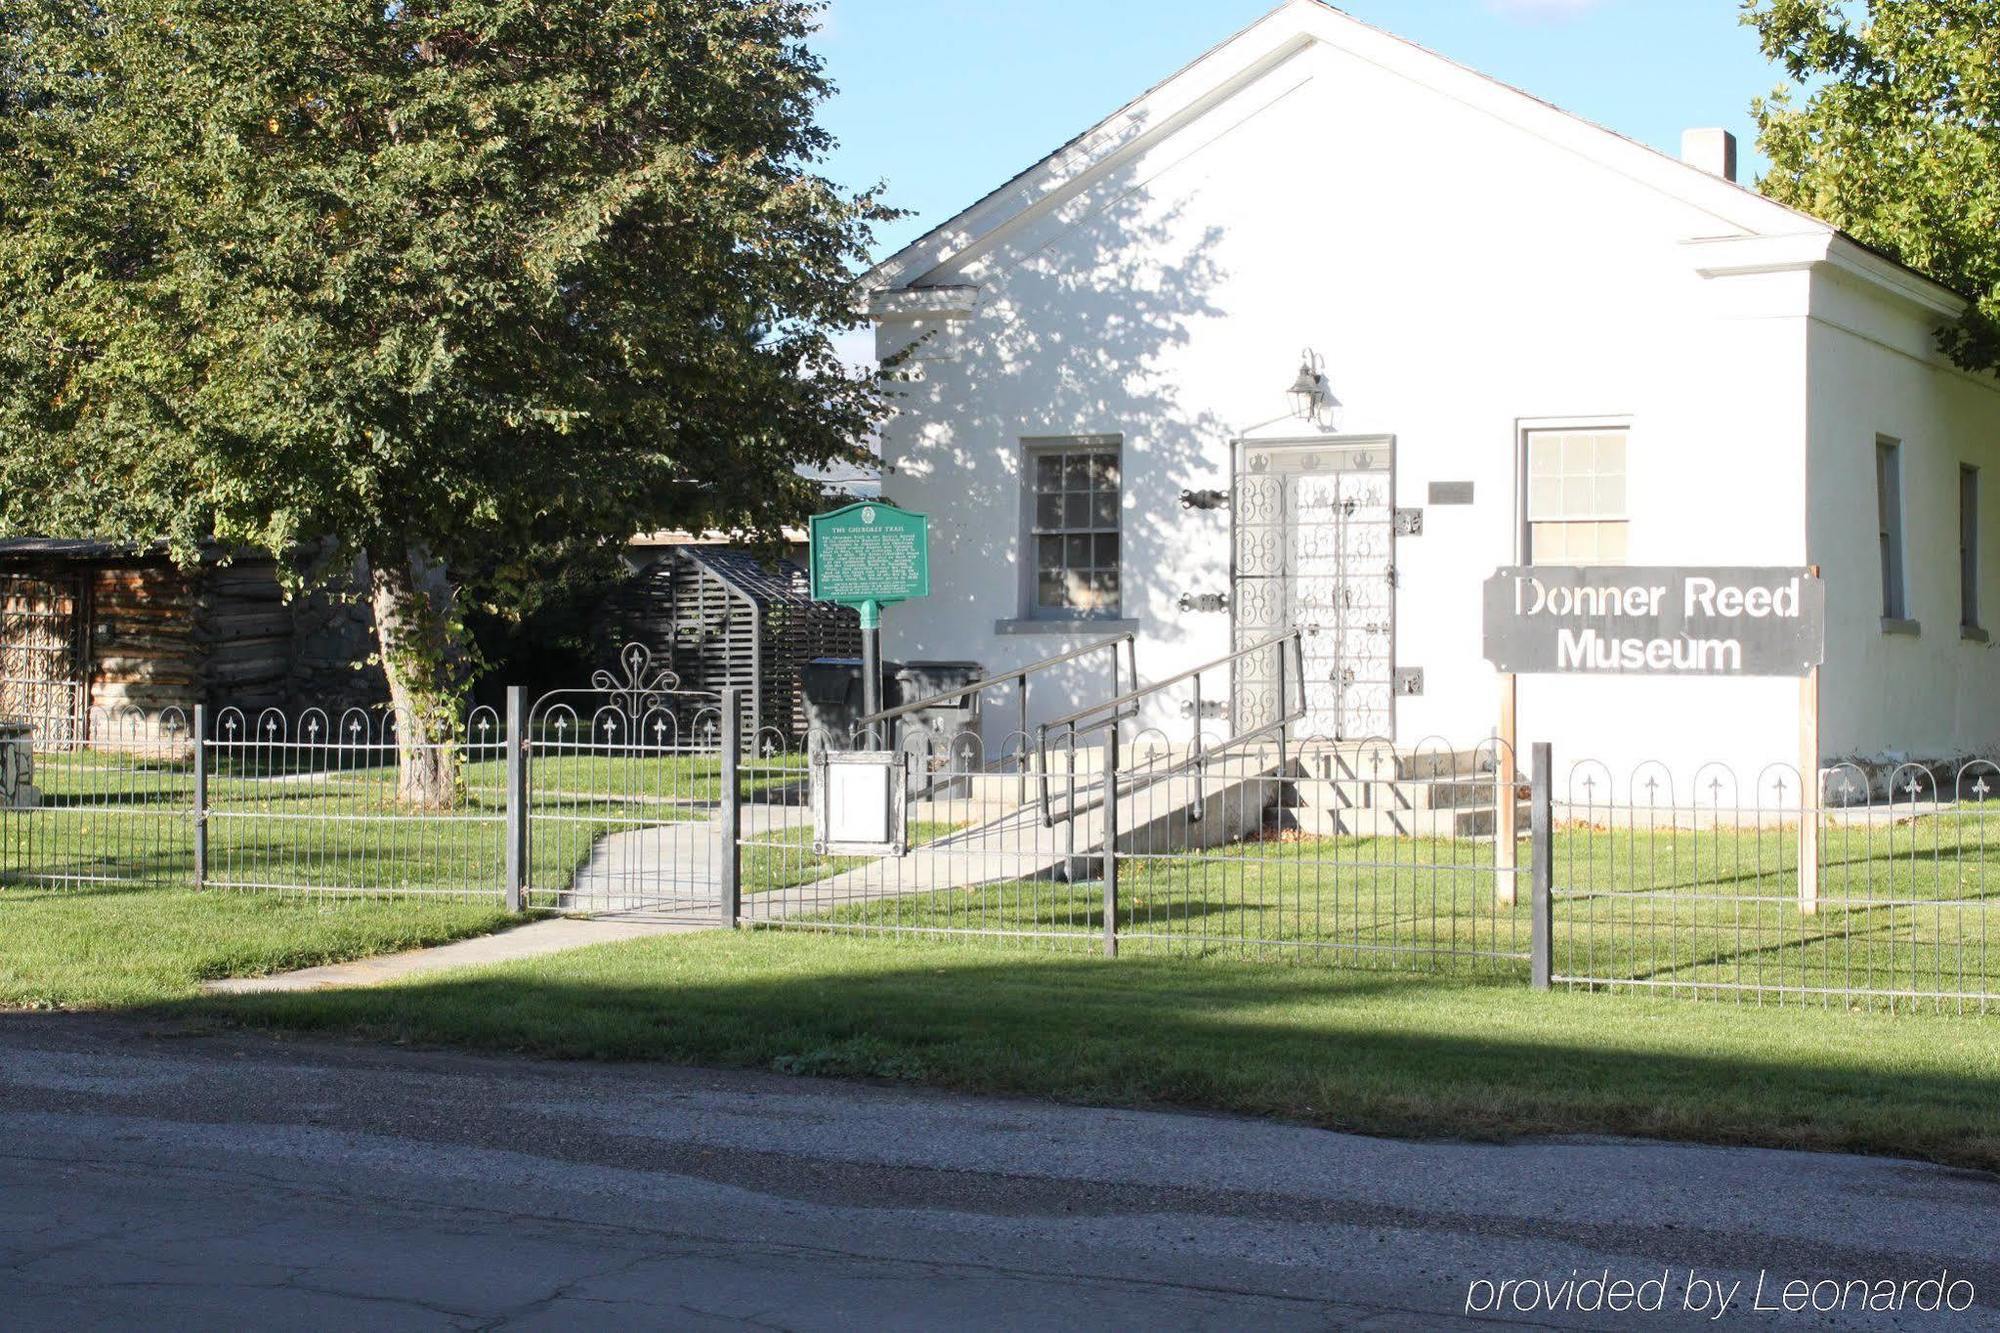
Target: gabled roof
{"x": 1296, "y": 25}
{"x": 780, "y": 583}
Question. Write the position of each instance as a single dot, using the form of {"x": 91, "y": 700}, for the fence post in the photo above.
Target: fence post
{"x": 517, "y": 798}
{"x": 1809, "y": 790}
{"x": 731, "y": 798}
{"x": 1542, "y": 845}
{"x": 1111, "y": 841}
{"x": 1506, "y": 812}
{"x": 200, "y": 795}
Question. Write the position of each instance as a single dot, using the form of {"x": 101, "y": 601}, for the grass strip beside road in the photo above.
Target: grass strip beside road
{"x": 119, "y": 947}
{"x": 1369, "y": 1052}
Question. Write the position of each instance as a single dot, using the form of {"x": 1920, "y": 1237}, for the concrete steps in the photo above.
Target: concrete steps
{"x": 1373, "y": 792}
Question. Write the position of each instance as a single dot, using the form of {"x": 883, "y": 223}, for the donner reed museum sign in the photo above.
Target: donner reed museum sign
{"x": 1658, "y": 620}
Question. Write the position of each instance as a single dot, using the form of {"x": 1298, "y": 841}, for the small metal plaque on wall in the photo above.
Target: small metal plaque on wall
{"x": 1451, "y": 493}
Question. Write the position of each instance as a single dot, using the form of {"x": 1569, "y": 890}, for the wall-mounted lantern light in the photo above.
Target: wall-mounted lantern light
{"x": 1309, "y": 394}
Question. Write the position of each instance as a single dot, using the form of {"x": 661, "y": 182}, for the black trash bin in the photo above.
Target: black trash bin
{"x": 832, "y": 690}
{"x": 944, "y": 727}
{"x": 943, "y": 738}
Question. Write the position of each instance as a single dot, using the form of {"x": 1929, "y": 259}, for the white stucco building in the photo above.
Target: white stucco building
{"x": 1558, "y": 344}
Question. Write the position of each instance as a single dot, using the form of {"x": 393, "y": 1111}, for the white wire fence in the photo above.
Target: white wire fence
{"x": 1876, "y": 889}
{"x": 1355, "y": 855}
{"x": 631, "y": 797}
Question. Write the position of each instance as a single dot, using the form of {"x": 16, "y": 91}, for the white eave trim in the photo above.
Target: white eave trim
{"x": 956, "y": 302}
{"x": 1732, "y": 256}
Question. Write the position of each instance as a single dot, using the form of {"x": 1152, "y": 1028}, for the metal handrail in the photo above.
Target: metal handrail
{"x": 1129, "y": 639}
{"x": 1111, "y": 712}
{"x": 1131, "y": 696}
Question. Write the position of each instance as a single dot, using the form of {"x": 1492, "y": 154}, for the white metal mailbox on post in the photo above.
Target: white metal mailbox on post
{"x": 860, "y": 803}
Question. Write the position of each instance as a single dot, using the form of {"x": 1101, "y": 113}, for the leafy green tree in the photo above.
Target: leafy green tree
{"x": 1898, "y": 138}
{"x": 445, "y": 284}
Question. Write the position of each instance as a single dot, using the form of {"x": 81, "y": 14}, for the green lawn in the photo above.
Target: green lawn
{"x": 277, "y": 822}
{"x": 1904, "y": 907}
{"x": 783, "y": 858}
{"x": 117, "y": 947}
{"x": 1371, "y": 1052}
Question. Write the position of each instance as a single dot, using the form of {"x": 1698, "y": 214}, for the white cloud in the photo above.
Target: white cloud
{"x": 1543, "y": 11}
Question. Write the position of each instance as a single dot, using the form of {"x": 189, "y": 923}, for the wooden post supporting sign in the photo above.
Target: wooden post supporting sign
{"x": 1506, "y": 782}
{"x": 1809, "y": 792}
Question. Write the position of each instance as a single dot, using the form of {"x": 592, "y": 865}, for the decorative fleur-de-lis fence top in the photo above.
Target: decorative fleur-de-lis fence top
{"x": 637, "y": 686}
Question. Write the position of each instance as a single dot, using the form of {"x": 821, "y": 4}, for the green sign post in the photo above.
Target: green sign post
{"x": 868, "y": 556}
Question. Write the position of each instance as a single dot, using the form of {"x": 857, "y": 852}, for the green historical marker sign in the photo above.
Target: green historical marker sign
{"x": 869, "y": 555}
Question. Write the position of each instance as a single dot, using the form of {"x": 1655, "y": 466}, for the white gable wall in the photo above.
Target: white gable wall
{"x": 1459, "y": 274}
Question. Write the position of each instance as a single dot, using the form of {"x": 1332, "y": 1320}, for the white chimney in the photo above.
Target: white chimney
{"x": 1714, "y": 151}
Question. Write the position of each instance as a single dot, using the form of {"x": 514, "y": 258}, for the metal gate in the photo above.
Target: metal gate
{"x": 1314, "y": 549}
{"x": 624, "y": 784}
{"x": 42, "y": 640}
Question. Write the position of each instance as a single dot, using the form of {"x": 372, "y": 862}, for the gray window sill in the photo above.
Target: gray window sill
{"x": 1974, "y": 634}
{"x": 1907, "y": 628}
{"x": 1075, "y": 627}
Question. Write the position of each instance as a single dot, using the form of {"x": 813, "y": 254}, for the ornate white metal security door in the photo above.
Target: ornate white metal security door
{"x": 1314, "y": 547}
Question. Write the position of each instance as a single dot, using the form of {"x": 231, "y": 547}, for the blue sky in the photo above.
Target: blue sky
{"x": 945, "y": 99}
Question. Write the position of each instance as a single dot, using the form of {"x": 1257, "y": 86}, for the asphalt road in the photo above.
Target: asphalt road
{"x": 155, "y": 1179}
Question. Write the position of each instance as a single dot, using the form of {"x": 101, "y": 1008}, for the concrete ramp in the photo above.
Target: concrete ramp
{"x": 1159, "y": 812}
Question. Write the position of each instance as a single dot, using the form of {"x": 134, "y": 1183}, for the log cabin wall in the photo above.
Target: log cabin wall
{"x": 332, "y": 647}
{"x": 139, "y": 631}
{"x": 144, "y": 634}
{"x": 243, "y": 634}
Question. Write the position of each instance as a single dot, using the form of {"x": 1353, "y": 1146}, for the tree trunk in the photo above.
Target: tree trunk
{"x": 423, "y": 655}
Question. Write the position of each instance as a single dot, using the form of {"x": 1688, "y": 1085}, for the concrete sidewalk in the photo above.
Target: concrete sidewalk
{"x": 532, "y": 940}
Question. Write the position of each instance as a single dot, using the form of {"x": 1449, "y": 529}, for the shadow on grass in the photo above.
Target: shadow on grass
{"x": 1376, "y": 1053}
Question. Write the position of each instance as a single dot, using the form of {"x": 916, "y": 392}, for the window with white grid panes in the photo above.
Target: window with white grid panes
{"x": 1073, "y": 528}
{"x": 1576, "y": 497}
